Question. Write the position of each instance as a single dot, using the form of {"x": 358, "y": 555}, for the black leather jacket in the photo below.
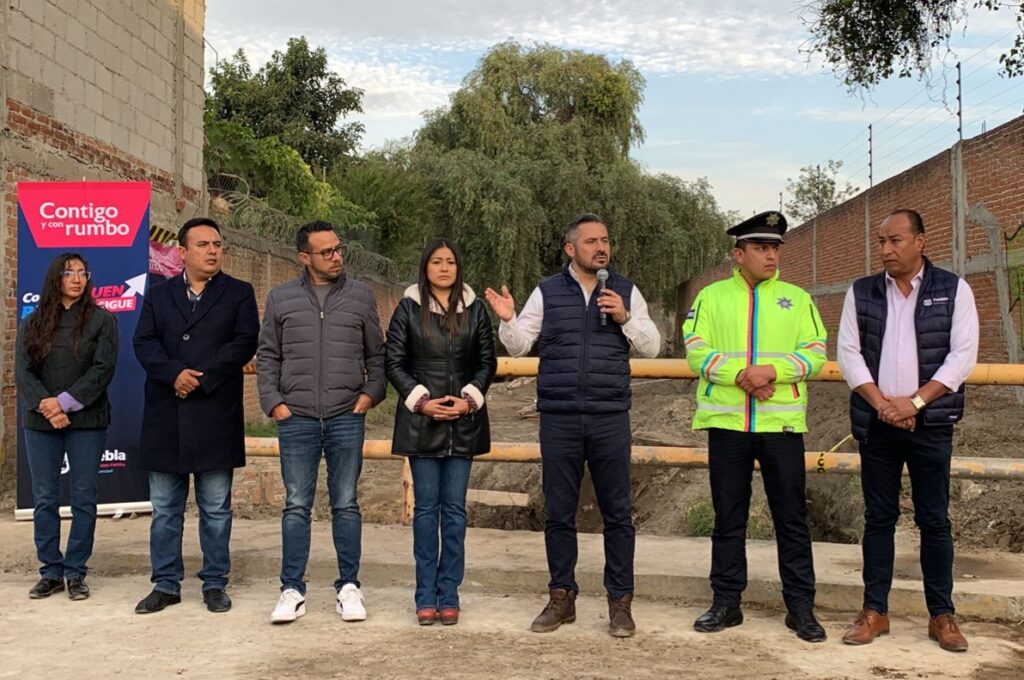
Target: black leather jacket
{"x": 438, "y": 363}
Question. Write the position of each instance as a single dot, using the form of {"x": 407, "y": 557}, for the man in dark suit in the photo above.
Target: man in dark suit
{"x": 195, "y": 334}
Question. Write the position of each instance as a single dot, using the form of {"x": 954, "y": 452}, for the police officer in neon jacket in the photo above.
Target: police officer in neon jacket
{"x": 754, "y": 341}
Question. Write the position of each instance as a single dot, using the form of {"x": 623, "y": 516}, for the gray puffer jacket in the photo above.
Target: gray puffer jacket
{"x": 317, "y": 361}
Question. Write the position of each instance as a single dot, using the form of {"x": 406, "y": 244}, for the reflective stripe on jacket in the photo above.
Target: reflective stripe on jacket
{"x": 732, "y": 325}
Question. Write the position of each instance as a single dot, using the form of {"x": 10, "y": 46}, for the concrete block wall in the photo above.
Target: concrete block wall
{"x": 826, "y": 254}
{"x": 100, "y": 90}
{"x": 110, "y": 69}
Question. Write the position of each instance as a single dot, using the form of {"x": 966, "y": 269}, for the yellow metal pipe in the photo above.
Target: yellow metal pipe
{"x": 820, "y": 462}
{"x": 984, "y": 374}
{"x": 508, "y": 367}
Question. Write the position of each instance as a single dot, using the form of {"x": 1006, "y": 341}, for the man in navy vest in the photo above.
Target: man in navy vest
{"x": 908, "y": 339}
{"x": 583, "y": 396}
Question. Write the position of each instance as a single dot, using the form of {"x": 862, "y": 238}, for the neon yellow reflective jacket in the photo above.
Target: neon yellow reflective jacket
{"x": 733, "y": 325}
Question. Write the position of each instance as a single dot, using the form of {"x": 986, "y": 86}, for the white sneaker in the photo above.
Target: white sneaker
{"x": 350, "y": 603}
{"x": 290, "y": 606}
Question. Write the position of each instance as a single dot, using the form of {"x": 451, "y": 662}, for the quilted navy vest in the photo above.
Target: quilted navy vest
{"x": 584, "y": 367}
{"x": 933, "y": 320}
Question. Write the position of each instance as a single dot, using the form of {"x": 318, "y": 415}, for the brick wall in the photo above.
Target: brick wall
{"x": 980, "y": 242}
{"x": 101, "y": 90}
{"x": 266, "y": 264}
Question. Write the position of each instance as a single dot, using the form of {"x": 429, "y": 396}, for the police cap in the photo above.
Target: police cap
{"x": 767, "y": 226}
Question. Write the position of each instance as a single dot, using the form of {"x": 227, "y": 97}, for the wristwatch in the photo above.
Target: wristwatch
{"x": 628, "y": 317}
{"x": 918, "y": 402}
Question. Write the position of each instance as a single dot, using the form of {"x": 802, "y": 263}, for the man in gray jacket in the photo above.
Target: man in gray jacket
{"x": 320, "y": 368}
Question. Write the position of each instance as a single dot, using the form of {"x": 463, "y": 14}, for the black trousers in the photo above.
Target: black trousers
{"x": 603, "y": 442}
{"x": 731, "y": 457}
{"x": 926, "y": 453}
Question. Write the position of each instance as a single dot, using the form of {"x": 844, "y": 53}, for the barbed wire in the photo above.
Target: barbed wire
{"x": 1018, "y": 102}
{"x": 899, "y": 148}
{"x": 928, "y": 115}
{"x": 853, "y": 139}
{"x": 917, "y": 149}
{"x": 892, "y": 111}
{"x": 858, "y": 153}
{"x": 920, "y": 119}
{"x": 982, "y": 84}
{"x": 232, "y": 202}
{"x": 982, "y": 51}
{"x": 911, "y": 118}
{"x": 999, "y": 94}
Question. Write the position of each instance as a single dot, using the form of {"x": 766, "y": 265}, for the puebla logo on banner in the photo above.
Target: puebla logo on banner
{"x": 83, "y": 216}
{"x": 108, "y": 224}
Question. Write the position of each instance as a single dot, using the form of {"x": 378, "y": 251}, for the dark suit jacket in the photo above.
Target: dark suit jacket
{"x": 204, "y": 431}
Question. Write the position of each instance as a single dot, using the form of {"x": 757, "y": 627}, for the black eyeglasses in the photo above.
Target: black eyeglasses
{"x": 326, "y": 253}
{"x": 71, "y": 273}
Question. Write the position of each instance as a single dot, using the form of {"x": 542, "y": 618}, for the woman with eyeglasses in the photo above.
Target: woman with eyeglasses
{"x": 65, "y": 359}
{"x": 441, "y": 359}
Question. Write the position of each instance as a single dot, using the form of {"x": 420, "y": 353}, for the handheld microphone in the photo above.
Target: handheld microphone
{"x": 602, "y": 281}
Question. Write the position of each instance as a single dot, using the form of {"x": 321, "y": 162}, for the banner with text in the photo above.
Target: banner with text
{"x": 108, "y": 224}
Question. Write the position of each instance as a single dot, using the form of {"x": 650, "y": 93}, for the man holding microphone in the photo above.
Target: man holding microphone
{"x": 583, "y": 395}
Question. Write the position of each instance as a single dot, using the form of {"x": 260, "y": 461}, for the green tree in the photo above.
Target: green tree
{"x": 488, "y": 208}
{"x": 385, "y": 183}
{"x": 276, "y": 173}
{"x": 276, "y": 131}
{"x": 816, "y": 190}
{"x": 867, "y": 41}
{"x": 536, "y": 135}
{"x": 294, "y": 97}
{"x": 567, "y": 92}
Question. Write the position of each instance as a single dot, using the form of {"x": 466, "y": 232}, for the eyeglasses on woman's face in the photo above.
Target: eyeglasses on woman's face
{"x": 76, "y": 273}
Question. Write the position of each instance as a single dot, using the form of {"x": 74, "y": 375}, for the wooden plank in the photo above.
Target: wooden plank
{"x": 498, "y": 498}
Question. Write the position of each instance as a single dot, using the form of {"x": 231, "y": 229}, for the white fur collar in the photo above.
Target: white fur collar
{"x": 468, "y": 296}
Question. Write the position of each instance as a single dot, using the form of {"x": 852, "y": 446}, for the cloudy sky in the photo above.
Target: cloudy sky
{"x": 729, "y": 97}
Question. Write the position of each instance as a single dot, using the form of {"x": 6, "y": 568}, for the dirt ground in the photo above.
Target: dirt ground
{"x": 677, "y": 501}
{"x": 102, "y": 638}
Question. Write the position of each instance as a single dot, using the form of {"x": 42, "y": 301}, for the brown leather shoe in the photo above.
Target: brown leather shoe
{"x": 561, "y": 608}
{"x": 943, "y": 629}
{"x": 620, "y": 616}
{"x": 426, "y": 616}
{"x": 449, "y": 616}
{"x": 869, "y": 625}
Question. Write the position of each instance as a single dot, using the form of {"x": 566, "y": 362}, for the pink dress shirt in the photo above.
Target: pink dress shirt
{"x": 897, "y": 368}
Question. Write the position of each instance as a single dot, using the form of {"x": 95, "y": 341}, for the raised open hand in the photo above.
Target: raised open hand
{"x": 502, "y": 304}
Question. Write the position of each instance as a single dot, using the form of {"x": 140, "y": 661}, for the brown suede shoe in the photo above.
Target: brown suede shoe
{"x": 449, "y": 616}
{"x": 869, "y": 625}
{"x": 561, "y": 608}
{"x": 943, "y": 629}
{"x": 620, "y": 616}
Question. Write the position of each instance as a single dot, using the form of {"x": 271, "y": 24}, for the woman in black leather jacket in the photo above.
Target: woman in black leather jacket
{"x": 440, "y": 358}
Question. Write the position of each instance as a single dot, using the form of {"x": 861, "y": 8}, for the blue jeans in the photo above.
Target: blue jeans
{"x": 302, "y": 440}
{"x": 167, "y": 493}
{"x": 46, "y": 452}
{"x": 440, "y": 486}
